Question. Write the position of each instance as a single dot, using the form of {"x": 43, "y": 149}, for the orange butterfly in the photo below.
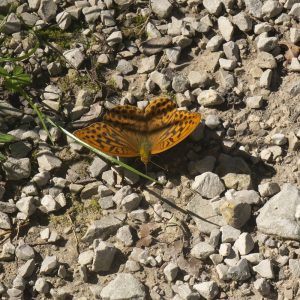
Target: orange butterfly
{"x": 128, "y": 131}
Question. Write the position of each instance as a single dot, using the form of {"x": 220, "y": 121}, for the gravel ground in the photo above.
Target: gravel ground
{"x": 226, "y": 222}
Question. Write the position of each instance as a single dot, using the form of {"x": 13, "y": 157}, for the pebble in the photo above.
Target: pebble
{"x": 91, "y": 14}
{"x": 209, "y": 98}
{"x": 161, "y": 80}
{"x": 264, "y": 269}
{"x": 271, "y": 8}
{"x": 156, "y": 45}
{"x": 262, "y": 286}
{"x": 25, "y": 252}
{"x": 49, "y": 265}
{"x": 124, "y": 67}
{"x": 229, "y": 234}
{"x": 63, "y": 20}
{"x": 244, "y": 244}
{"x": 267, "y": 44}
{"x": 226, "y": 28}
{"x": 124, "y": 234}
{"x": 294, "y": 35}
{"x": 27, "y": 269}
{"x": 124, "y": 286}
{"x": 268, "y": 189}
{"x": 266, "y": 60}
{"x": 208, "y": 185}
{"x": 239, "y": 272}
{"x": 147, "y": 64}
{"x": 97, "y": 167}
{"x": 254, "y": 102}
{"x": 114, "y": 38}
{"x": 295, "y": 65}
{"x": 265, "y": 79}
{"x": 26, "y": 205}
{"x": 171, "y": 271}
{"x": 16, "y": 169}
{"x": 12, "y": 24}
{"x": 103, "y": 258}
{"x": 214, "y": 43}
{"x": 42, "y": 286}
{"x": 198, "y": 79}
{"x": 49, "y": 203}
{"x": 231, "y": 51}
{"x": 8, "y": 251}
{"x": 48, "y": 161}
{"x": 214, "y": 7}
{"x": 279, "y": 139}
{"x": 202, "y": 250}
{"x": 162, "y": 8}
{"x": 243, "y": 22}
{"x": 212, "y": 121}
{"x": 74, "y": 57}
{"x": 207, "y": 289}
{"x": 180, "y": 83}
{"x": 227, "y": 64}
{"x": 173, "y": 54}
{"x": 262, "y": 27}
{"x": 47, "y": 10}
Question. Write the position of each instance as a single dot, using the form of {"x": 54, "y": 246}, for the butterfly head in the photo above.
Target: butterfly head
{"x": 145, "y": 152}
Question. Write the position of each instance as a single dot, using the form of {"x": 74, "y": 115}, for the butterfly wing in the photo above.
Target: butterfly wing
{"x": 170, "y": 126}
{"x": 111, "y": 139}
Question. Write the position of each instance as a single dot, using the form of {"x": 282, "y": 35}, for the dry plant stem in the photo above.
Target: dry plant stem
{"x": 75, "y": 235}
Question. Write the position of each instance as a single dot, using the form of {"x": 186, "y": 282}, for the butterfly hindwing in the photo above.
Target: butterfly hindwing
{"x": 109, "y": 139}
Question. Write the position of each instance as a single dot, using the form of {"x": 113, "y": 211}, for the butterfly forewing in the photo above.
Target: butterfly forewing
{"x": 110, "y": 139}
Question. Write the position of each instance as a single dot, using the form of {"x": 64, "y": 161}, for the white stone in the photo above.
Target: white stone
{"x": 226, "y": 28}
{"x": 162, "y": 8}
{"x": 264, "y": 269}
{"x": 64, "y": 20}
{"x": 209, "y": 98}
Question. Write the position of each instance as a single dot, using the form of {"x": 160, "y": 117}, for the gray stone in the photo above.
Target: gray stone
{"x": 212, "y": 121}
{"x": 226, "y": 28}
{"x": 254, "y": 7}
{"x": 171, "y": 271}
{"x": 271, "y": 8}
{"x": 25, "y": 252}
{"x": 42, "y": 286}
{"x": 209, "y": 98}
{"x": 107, "y": 17}
{"x": 180, "y": 83}
{"x": 262, "y": 286}
{"x": 294, "y": 267}
{"x": 125, "y": 236}
{"x": 173, "y": 54}
{"x": 124, "y": 67}
{"x": 267, "y": 44}
{"x": 243, "y": 196}
{"x": 130, "y": 202}
{"x": 268, "y": 189}
{"x": 227, "y": 64}
{"x": 17, "y": 169}
{"x": 12, "y": 24}
{"x": 254, "y": 102}
{"x": 48, "y": 161}
{"x": 231, "y": 50}
{"x": 225, "y": 249}
{"x": 104, "y": 227}
{"x": 279, "y": 139}
{"x": 49, "y": 265}
{"x": 34, "y": 4}
{"x": 63, "y": 20}
{"x": 74, "y": 57}
{"x": 229, "y": 234}
{"x": 162, "y": 8}
{"x": 294, "y": 35}
{"x": 265, "y": 60}
{"x": 198, "y": 79}
{"x": 254, "y": 258}
{"x": 278, "y": 218}
{"x": 174, "y": 27}
{"x": 8, "y": 251}
{"x": 52, "y": 92}
{"x": 161, "y": 80}
{"x": 214, "y": 43}
{"x": 86, "y": 257}
{"x": 222, "y": 271}
{"x": 262, "y": 27}
{"x": 295, "y": 65}
{"x": 244, "y": 244}
{"x": 208, "y": 185}
{"x": 26, "y": 270}
{"x": 6, "y": 207}
{"x": 265, "y": 269}
{"x": 114, "y": 38}
{"x": 243, "y": 22}
{"x": 91, "y": 14}
{"x": 104, "y": 255}
{"x": 124, "y": 286}
{"x": 26, "y": 205}
{"x": 265, "y": 79}
{"x": 49, "y": 203}
{"x": 147, "y": 64}
{"x": 47, "y": 10}
{"x": 208, "y": 289}
{"x": 214, "y": 238}
{"x": 97, "y": 167}
{"x": 202, "y": 250}
{"x": 240, "y": 272}
{"x": 20, "y": 149}
{"x": 214, "y": 7}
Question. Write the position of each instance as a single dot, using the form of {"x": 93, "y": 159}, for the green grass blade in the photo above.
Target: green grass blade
{"x": 104, "y": 155}
{"x": 6, "y": 138}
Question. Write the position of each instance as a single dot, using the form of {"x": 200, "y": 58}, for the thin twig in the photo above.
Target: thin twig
{"x": 75, "y": 235}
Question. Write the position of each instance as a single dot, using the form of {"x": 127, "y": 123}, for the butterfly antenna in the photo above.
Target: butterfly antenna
{"x": 157, "y": 165}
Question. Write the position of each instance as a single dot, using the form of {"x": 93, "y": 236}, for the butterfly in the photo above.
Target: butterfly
{"x": 128, "y": 131}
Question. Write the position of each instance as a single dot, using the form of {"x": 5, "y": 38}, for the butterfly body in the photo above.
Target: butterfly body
{"x": 127, "y": 131}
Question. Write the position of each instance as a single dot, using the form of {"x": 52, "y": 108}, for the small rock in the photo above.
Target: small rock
{"x": 42, "y": 286}
{"x": 147, "y": 64}
{"x": 97, "y": 167}
{"x": 202, "y": 250}
{"x": 240, "y": 272}
{"x": 264, "y": 269}
{"x": 49, "y": 203}
{"x": 49, "y": 264}
{"x": 198, "y": 79}
{"x": 214, "y": 7}
{"x": 91, "y": 14}
{"x": 104, "y": 255}
{"x": 173, "y": 54}
{"x": 156, "y": 45}
{"x": 107, "y": 18}
{"x": 26, "y": 205}
{"x": 295, "y": 65}
{"x": 124, "y": 284}
{"x": 279, "y": 139}
{"x": 262, "y": 27}
{"x": 125, "y": 236}
{"x": 63, "y": 20}
{"x": 161, "y": 80}
{"x": 268, "y": 189}
{"x": 207, "y": 289}
{"x": 180, "y": 83}
{"x": 124, "y": 67}
{"x": 294, "y": 35}
{"x": 27, "y": 269}
{"x": 209, "y": 98}
{"x": 208, "y": 185}
{"x": 263, "y": 286}
{"x": 8, "y": 251}
{"x": 25, "y": 252}
{"x": 12, "y": 24}
{"x": 265, "y": 60}
{"x": 171, "y": 271}
{"x": 162, "y": 8}
{"x": 244, "y": 244}
{"x": 114, "y": 38}
{"x": 229, "y": 234}
{"x": 48, "y": 161}
{"x": 225, "y": 28}
{"x": 271, "y": 8}
{"x": 242, "y": 21}
{"x": 47, "y": 10}
{"x": 254, "y": 7}
{"x": 214, "y": 43}
{"x": 16, "y": 169}
{"x": 231, "y": 50}
{"x": 74, "y": 57}
{"x": 227, "y": 64}
{"x": 294, "y": 267}
{"x": 267, "y": 44}
{"x": 214, "y": 238}
{"x": 265, "y": 79}
{"x": 254, "y": 102}
{"x": 212, "y": 121}
{"x": 222, "y": 271}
